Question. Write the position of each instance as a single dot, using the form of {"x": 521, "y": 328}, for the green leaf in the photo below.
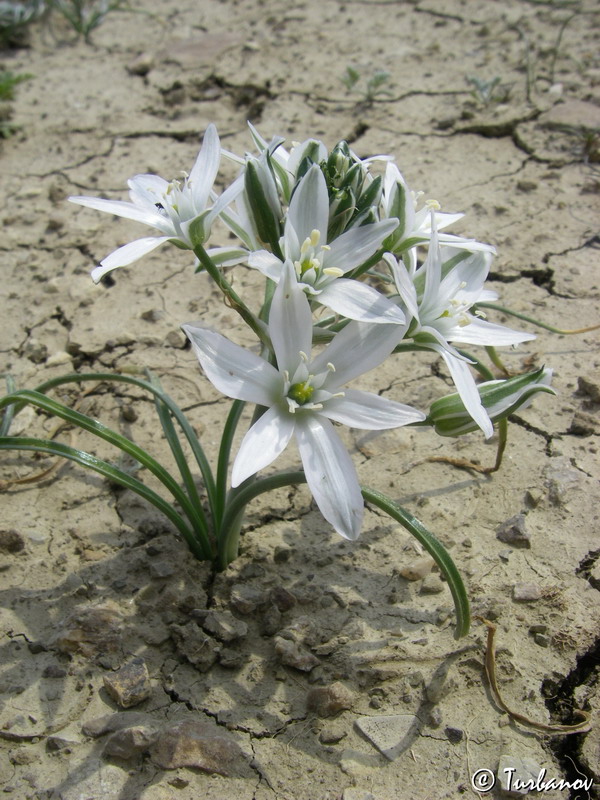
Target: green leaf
{"x": 112, "y": 473}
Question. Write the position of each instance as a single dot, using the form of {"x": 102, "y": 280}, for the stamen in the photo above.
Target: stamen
{"x": 330, "y": 366}
{"x": 335, "y": 272}
{"x": 303, "y": 356}
{"x": 315, "y": 237}
{"x": 432, "y": 205}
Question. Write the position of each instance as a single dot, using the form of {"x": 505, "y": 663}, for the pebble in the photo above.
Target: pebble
{"x": 270, "y": 621}
{"x": 432, "y": 584}
{"x": 584, "y": 424}
{"x": 513, "y": 531}
{"x": 59, "y": 358}
{"x": 327, "y": 701}
{"x": 589, "y": 387}
{"x": 526, "y": 592}
{"x": 283, "y": 599}
{"x": 332, "y": 734}
{"x": 202, "y": 745}
{"x": 199, "y": 648}
{"x": 230, "y": 658}
{"x": 455, "y": 735}
{"x": 513, "y": 767}
{"x": 391, "y": 735}
{"x": 108, "y": 723}
{"x": 224, "y": 626}
{"x": 246, "y": 599}
{"x": 542, "y": 640}
{"x": 293, "y": 654}
{"x": 11, "y": 541}
{"x": 91, "y": 630}
{"x": 130, "y": 685}
{"x": 141, "y": 65}
{"x": 418, "y": 569}
{"x": 129, "y": 742}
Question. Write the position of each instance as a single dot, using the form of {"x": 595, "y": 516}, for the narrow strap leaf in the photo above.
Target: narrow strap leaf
{"x": 164, "y": 416}
{"x": 112, "y": 473}
{"x": 435, "y": 549}
{"x": 100, "y": 430}
{"x": 197, "y": 450}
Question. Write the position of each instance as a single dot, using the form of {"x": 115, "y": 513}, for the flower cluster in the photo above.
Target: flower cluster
{"x": 328, "y": 230}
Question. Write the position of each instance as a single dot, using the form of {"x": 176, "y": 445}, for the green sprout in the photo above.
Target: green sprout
{"x": 372, "y": 87}
{"x": 487, "y": 92}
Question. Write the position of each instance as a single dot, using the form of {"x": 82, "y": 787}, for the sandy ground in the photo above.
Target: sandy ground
{"x": 91, "y": 578}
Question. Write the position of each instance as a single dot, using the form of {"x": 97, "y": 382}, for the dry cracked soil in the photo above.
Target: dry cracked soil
{"x": 291, "y": 674}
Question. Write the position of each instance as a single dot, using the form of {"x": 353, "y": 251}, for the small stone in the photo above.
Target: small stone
{"x": 293, "y": 654}
{"x": 129, "y": 742}
{"x": 176, "y": 339}
{"x": 327, "y": 701}
{"x": 283, "y": 599}
{"x": 224, "y": 626}
{"x": 108, "y": 723}
{"x": 526, "y": 592}
{"x": 418, "y": 569}
{"x": 202, "y": 745}
{"x": 230, "y": 658}
{"x": 130, "y": 685}
{"x": 91, "y": 630}
{"x": 584, "y": 424}
{"x": 129, "y": 414}
{"x": 54, "y": 671}
{"x": 455, "y": 735}
{"x": 432, "y": 584}
{"x": 246, "y": 599}
{"x": 141, "y": 65}
{"x": 589, "y": 387}
{"x": 152, "y": 314}
{"x": 57, "y": 744}
{"x": 513, "y": 768}
{"x": 542, "y": 640}
{"x": 332, "y": 734}
{"x": 538, "y": 628}
{"x": 281, "y": 554}
{"x": 200, "y": 649}
{"x": 11, "y": 542}
{"x": 527, "y": 186}
{"x": 391, "y": 735}
{"x": 533, "y": 497}
{"x": 59, "y": 358}
{"x": 512, "y": 531}
{"x": 270, "y": 621}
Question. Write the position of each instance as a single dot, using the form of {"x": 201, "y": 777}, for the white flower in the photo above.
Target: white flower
{"x": 415, "y": 224}
{"x": 302, "y": 396}
{"x": 320, "y": 265}
{"x": 171, "y": 208}
{"x": 438, "y": 298}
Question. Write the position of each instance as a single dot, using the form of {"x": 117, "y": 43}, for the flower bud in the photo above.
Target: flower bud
{"x": 262, "y": 198}
{"x": 500, "y": 399}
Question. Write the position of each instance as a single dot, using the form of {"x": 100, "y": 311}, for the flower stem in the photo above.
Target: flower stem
{"x": 233, "y": 298}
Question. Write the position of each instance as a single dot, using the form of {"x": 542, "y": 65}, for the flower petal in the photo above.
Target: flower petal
{"x": 370, "y": 412}
{"x": 290, "y": 321}
{"x": 266, "y": 263}
{"x": 355, "y": 246}
{"x": 205, "y": 169}
{"x": 127, "y": 254}
{"x": 356, "y": 300}
{"x": 404, "y": 285}
{"x": 356, "y": 349}
{"x": 261, "y": 445}
{"x": 147, "y": 190}
{"x": 309, "y": 206}
{"x": 126, "y": 210}
{"x": 478, "y": 331}
{"x": 234, "y": 371}
{"x": 467, "y": 389}
{"x": 330, "y": 474}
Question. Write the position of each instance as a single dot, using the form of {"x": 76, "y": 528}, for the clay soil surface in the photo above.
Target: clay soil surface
{"x": 91, "y": 578}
